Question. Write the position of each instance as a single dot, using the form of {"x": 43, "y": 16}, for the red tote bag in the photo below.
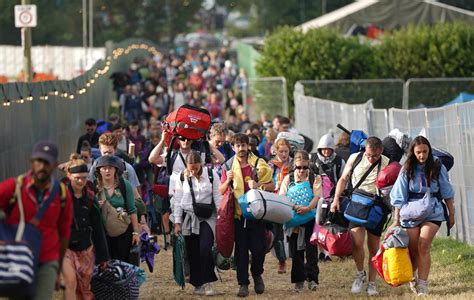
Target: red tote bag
{"x": 225, "y": 232}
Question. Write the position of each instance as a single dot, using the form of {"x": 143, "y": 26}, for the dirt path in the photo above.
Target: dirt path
{"x": 335, "y": 282}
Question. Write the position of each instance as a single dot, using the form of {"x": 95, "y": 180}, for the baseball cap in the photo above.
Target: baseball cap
{"x": 45, "y": 150}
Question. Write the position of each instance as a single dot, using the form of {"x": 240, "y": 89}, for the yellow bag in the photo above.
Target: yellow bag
{"x": 397, "y": 267}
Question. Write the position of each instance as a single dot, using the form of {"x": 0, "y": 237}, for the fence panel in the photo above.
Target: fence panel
{"x": 450, "y": 128}
{"x": 432, "y": 92}
{"x": 268, "y": 95}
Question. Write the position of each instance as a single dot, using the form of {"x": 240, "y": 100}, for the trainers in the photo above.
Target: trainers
{"x": 422, "y": 289}
{"x": 243, "y": 291}
{"x": 312, "y": 285}
{"x": 299, "y": 286}
{"x": 258, "y": 284}
{"x": 208, "y": 290}
{"x": 199, "y": 290}
{"x": 371, "y": 289}
{"x": 358, "y": 283}
{"x": 281, "y": 267}
{"x": 413, "y": 286}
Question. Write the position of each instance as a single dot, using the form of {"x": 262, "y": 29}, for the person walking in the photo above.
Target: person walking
{"x": 196, "y": 199}
{"x": 39, "y": 191}
{"x": 246, "y": 171}
{"x": 299, "y": 236}
{"x": 118, "y": 208}
{"x": 423, "y": 175}
{"x": 361, "y": 172}
{"x": 88, "y": 243}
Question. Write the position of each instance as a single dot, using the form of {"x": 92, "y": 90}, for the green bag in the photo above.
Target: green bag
{"x": 178, "y": 260}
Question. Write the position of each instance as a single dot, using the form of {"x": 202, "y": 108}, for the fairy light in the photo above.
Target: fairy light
{"x": 71, "y": 97}
{"x": 7, "y": 103}
{"x": 29, "y": 98}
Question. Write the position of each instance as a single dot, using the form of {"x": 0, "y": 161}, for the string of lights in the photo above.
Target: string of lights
{"x": 68, "y": 90}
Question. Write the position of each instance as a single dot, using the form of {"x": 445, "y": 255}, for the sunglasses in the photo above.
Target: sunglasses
{"x": 301, "y": 167}
{"x": 183, "y": 139}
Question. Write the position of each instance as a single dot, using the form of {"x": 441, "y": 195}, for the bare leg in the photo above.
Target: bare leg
{"x": 427, "y": 233}
{"x": 373, "y": 245}
{"x": 358, "y": 238}
{"x": 413, "y": 235}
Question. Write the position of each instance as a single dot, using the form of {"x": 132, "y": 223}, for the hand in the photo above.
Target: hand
{"x": 452, "y": 220}
{"x": 135, "y": 239}
{"x": 230, "y": 176}
{"x": 335, "y": 206}
{"x": 302, "y": 210}
{"x": 396, "y": 222}
{"x": 144, "y": 226}
{"x": 164, "y": 135}
{"x": 252, "y": 184}
{"x": 177, "y": 229}
{"x": 103, "y": 265}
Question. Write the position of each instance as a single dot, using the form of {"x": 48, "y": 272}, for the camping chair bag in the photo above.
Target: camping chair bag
{"x": 261, "y": 205}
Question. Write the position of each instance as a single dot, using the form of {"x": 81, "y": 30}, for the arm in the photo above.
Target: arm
{"x": 217, "y": 156}
{"x": 226, "y": 178}
{"x": 155, "y": 155}
{"x": 284, "y": 185}
{"x": 342, "y": 183}
{"x": 317, "y": 191}
{"x": 215, "y": 189}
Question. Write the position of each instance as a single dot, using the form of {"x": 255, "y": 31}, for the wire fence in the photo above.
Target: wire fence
{"x": 267, "y": 95}
{"x": 450, "y": 128}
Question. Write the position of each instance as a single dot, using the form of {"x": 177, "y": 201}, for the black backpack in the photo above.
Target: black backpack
{"x": 332, "y": 169}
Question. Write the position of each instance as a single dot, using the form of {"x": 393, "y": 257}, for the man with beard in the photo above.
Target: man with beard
{"x": 37, "y": 186}
{"x": 246, "y": 171}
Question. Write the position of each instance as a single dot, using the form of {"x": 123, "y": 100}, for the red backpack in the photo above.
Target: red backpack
{"x": 187, "y": 121}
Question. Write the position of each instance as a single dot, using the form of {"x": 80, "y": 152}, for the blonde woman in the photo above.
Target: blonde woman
{"x": 299, "y": 236}
{"x": 88, "y": 242}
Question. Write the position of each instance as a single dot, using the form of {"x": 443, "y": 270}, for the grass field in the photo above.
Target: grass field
{"x": 451, "y": 277}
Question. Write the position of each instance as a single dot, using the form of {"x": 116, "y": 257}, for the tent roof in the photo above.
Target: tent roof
{"x": 389, "y": 14}
{"x": 461, "y": 98}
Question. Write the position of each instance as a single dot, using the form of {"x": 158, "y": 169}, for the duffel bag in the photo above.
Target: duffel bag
{"x": 364, "y": 209}
{"x": 261, "y": 205}
{"x": 187, "y": 121}
{"x": 225, "y": 231}
{"x": 333, "y": 238}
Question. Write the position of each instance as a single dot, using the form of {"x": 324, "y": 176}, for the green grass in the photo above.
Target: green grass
{"x": 455, "y": 256}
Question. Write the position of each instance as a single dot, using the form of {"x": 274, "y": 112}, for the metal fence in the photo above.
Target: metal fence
{"x": 56, "y": 110}
{"x": 450, "y": 128}
{"x": 268, "y": 95}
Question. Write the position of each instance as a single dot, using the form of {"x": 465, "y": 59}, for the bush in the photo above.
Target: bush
{"x": 318, "y": 54}
{"x": 441, "y": 50}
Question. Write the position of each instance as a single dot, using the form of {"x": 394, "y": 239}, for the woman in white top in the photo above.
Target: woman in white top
{"x": 195, "y": 210}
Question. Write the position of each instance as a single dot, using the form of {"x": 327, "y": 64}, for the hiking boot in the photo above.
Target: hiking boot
{"x": 372, "y": 289}
{"x": 243, "y": 291}
{"x": 299, "y": 286}
{"x": 312, "y": 285}
{"x": 199, "y": 290}
{"x": 258, "y": 284}
{"x": 281, "y": 267}
{"x": 208, "y": 290}
{"x": 358, "y": 283}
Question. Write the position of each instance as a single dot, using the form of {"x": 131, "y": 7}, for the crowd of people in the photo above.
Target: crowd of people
{"x": 109, "y": 198}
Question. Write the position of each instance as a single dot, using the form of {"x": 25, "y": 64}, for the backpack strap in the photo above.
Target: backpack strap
{"x": 378, "y": 162}
{"x": 207, "y": 151}
{"x": 255, "y": 170}
{"x": 123, "y": 190}
{"x": 169, "y": 158}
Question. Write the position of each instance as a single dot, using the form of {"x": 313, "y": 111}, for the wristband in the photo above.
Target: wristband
{"x": 135, "y": 233}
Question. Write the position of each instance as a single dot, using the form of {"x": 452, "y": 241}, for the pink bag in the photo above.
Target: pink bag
{"x": 327, "y": 186}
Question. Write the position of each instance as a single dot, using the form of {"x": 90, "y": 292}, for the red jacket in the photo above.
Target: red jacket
{"x": 56, "y": 222}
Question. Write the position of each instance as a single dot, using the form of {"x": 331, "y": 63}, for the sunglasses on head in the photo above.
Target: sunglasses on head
{"x": 301, "y": 167}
